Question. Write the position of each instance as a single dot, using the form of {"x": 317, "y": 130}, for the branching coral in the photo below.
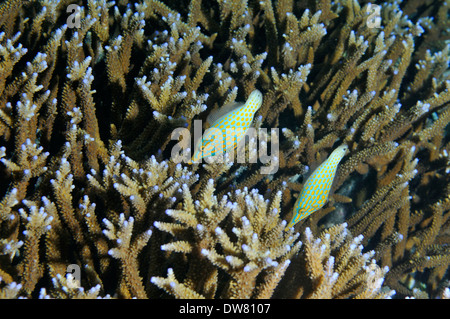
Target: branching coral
{"x": 242, "y": 236}
{"x": 337, "y": 268}
{"x": 88, "y": 104}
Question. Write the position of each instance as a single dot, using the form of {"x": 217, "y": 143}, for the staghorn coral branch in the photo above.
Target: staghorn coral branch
{"x": 127, "y": 251}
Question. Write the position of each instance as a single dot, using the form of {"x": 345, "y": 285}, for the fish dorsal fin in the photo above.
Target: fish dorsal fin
{"x": 217, "y": 114}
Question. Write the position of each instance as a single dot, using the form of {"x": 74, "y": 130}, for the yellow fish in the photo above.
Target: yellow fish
{"x": 317, "y": 187}
{"x": 231, "y": 120}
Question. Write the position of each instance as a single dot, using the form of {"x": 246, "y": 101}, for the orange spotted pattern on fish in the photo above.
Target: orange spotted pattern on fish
{"x": 232, "y": 126}
{"x": 317, "y": 187}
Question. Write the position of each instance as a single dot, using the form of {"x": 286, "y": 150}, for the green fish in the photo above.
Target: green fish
{"x": 232, "y": 122}
{"x": 317, "y": 187}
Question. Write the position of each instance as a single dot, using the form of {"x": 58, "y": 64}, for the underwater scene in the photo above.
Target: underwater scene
{"x": 224, "y": 149}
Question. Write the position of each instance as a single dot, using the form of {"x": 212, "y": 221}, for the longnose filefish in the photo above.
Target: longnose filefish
{"x": 228, "y": 126}
{"x": 317, "y": 187}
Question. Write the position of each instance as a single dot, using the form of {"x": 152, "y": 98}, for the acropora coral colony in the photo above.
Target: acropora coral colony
{"x": 95, "y": 203}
